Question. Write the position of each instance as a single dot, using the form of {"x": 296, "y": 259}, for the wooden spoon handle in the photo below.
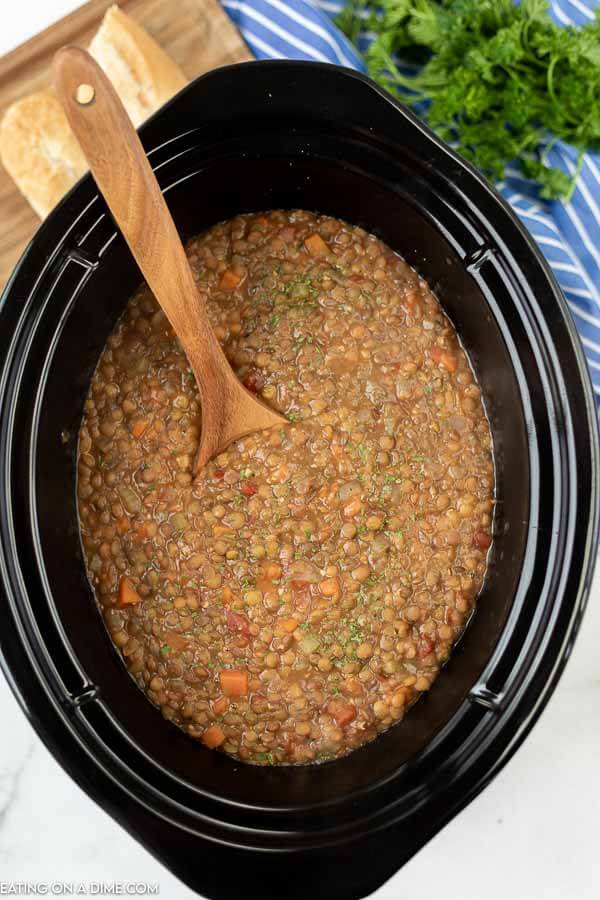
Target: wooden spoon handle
{"x": 127, "y": 182}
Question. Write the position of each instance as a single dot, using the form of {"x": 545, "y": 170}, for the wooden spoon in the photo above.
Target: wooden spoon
{"x": 129, "y": 186}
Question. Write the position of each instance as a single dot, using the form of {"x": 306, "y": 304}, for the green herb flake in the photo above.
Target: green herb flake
{"x": 165, "y": 650}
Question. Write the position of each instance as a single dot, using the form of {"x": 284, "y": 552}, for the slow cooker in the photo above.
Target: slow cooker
{"x": 286, "y": 135}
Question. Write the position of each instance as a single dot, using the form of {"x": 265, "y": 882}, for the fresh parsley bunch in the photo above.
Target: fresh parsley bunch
{"x": 502, "y": 81}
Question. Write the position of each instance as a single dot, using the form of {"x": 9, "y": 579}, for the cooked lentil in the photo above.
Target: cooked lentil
{"x": 298, "y": 597}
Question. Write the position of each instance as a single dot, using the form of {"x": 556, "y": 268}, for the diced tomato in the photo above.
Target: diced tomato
{"x": 287, "y": 234}
{"x": 237, "y": 622}
{"x": 481, "y": 540}
{"x": 248, "y": 488}
{"x": 343, "y": 713}
{"x": 425, "y": 647}
{"x": 453, "y": 617}
{"x": 435, "y": 353}
{"x": 254, "y": 381}
{"x": 220, "y": 705}
{"x": 300, "y": 588}
{"x": 412, "y": 303}
{"x": 353, "y": 687}
{"x": 219, "y": 474}
{"x": 316, "y": 246}
{"x": 175, "y": 640}
{"x": 258, "y": 703}
{"x": 449, "y": 362}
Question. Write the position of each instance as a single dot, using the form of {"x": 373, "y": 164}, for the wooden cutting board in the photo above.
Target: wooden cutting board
{"x": 196, "y": 33}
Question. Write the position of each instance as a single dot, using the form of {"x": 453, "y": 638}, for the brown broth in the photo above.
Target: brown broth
{"x": 300, "y": 595}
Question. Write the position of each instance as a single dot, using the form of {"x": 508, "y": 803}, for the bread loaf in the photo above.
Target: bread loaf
{"x": 37, "y": 147}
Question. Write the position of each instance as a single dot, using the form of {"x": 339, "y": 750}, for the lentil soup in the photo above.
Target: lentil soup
{"x": 298, "y": 597}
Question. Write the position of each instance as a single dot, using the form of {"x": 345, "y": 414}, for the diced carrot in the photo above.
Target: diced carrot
{"x": 123, "y": 525}
{"x": 229, "y": 280}
{"x": 220, "y": 705}
{"x": 316, "y": 246}
{"x": 139, "y": 427}
{"x": 248, "y": 488}
{"x": 273, "y": 570}
{"x": 220, "y": 530}
{"x": 449, "y": 362}
{"x": 343, "y": 713}
{"x": 234, "y": 682}
{"x": 289, "y": 625}
{"x": 444, "y": 358}
{"x": 227, "y": 594}
{"x": 175, "y": 640}
{"x": 213, "y": 737}
{"x": 330, "y": 587}
{"x": 142, "y": 532}
{"x": 266, "y": 585}
{"x": 128, "y": 595}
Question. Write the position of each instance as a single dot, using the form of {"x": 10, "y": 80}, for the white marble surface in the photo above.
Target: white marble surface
{"x": 532, "y": 835}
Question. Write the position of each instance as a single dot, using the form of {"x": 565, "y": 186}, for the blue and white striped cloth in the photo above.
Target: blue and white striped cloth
{"x": 567, "y": 233}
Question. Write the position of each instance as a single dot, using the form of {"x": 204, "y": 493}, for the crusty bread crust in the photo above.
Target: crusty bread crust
{"x": 143, "y": 75}
{"x": 37, "y": 147}
{"x": 39, "y": 150}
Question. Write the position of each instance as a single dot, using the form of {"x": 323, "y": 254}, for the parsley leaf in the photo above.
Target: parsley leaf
{"x": 501, "y": 81}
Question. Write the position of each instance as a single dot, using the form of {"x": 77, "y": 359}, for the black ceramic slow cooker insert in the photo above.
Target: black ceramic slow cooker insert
{"x": 282, "y": 135}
